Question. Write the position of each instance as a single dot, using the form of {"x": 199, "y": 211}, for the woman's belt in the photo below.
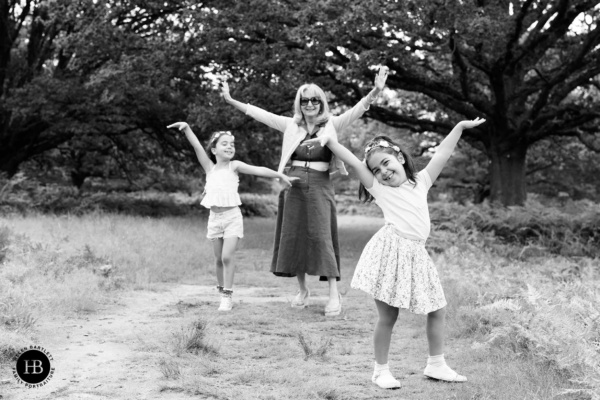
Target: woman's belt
{"x": 318, "y": 165}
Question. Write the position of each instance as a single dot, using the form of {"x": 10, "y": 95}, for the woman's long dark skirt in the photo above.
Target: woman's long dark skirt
{"x": 306, "y": 237}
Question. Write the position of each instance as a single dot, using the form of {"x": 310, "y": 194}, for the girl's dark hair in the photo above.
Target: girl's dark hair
{"x": 212, "y": 143}
{"x": 372, "y": 147}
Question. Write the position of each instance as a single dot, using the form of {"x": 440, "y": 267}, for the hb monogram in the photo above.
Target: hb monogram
{"x": 36, "y": 366}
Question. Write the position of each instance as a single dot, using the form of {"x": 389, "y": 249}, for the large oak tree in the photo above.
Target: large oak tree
{"x": 104, "y": 77}
{"x": 529, "y": 67}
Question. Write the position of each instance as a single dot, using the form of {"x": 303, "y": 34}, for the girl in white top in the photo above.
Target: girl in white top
{"x": 394, "y": 267}
{"x": 225, "y": 224}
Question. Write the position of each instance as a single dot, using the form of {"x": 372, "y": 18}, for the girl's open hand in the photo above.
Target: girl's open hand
{"x": 179, "y": 125}
{"x": 319, "y": 140}
{"x": 286, "y": 181}
{"x": 472, "y": 123}
{"x": 381, "y": 77}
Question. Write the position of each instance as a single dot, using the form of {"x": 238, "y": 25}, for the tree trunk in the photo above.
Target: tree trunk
{"x": 9, "y": 163}
{"x": 78, "y": 178}
{"x": 507, "y": 174}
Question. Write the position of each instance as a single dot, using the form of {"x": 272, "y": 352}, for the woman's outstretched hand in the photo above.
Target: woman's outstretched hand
{"x": 381, "y": 77}
{"x": 225, "y": 90}
{"x": 179, "y": 125}
{"x": 471, "y": 123}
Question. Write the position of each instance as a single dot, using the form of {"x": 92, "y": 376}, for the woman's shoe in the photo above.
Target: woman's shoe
{"x": 300, "y": 301}
{"x": 332, "y": 312}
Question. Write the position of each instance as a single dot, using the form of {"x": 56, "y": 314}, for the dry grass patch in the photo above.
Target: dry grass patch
{"x": 193, "y": 339}
{"x": 169, "y": 369}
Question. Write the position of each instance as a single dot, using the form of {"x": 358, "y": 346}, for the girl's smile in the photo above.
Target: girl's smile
{"x": 225, "y": 147}
{"x": 387, "y": 169}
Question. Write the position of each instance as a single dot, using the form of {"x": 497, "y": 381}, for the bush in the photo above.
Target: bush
{"x": 259, "y": 205}
{"x": 558, "y": 324}
{"x": 567, "y": 231}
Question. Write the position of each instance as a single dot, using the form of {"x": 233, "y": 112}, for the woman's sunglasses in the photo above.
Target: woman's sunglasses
{"x": 314, "y": 100}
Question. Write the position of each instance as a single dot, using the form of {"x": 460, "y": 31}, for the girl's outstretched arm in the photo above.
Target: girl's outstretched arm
{"x": 445, "y": 149}
{"x": 244, "y": 168}
{"x": 363, "y": 172}
{"x": 191, "y": 137}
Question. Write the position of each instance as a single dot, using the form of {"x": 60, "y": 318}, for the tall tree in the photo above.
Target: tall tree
{"x": 530, "y": 67}
{"x": 89, "y": 77}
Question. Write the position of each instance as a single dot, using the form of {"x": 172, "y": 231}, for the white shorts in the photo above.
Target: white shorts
{"x": 225, "y": 224}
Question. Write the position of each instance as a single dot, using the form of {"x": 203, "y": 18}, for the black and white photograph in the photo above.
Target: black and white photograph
{"x": 318, "y": 199}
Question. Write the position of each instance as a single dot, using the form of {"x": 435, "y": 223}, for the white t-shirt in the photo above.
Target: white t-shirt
{"x": 405, "y": 206}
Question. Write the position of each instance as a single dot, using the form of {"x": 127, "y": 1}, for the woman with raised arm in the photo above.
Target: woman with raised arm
{"x": 306, "y": 237}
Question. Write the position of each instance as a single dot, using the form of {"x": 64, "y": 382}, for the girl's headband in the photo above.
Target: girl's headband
{"x": 381, "y": 143}
{"x": 219, "y": 134}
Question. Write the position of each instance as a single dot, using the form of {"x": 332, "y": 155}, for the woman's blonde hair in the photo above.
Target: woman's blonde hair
{"x": 323, "y": 110}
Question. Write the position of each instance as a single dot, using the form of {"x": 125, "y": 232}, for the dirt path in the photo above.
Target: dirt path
{"x": 114, "y": 353}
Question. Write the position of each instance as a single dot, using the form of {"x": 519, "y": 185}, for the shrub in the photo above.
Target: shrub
{"x": 16, "y": 315}
{"x": 573, "y": 231}
{"x": 258, "y": 205}
{"x": 557, "y": 324}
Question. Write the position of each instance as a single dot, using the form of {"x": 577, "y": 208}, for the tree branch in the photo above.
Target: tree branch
{"x": 564, "y": 121}
{"x": 463, "y": 70}
{"x": 592, "y": 144}
{"x": 513, "y": 39}
{"x": 534, "y": 47}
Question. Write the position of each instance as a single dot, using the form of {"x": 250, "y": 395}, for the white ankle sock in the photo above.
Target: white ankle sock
{"x": 381, "y": 367}
{"x": 436, "y": 361}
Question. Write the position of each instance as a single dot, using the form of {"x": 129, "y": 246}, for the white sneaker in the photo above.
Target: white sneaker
{"x": 226, "y": 303}
{"x": 385, "y": 380}
{"x": 443, "y": 373}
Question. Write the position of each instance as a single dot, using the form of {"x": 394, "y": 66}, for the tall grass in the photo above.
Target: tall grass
{"x": 39, "y": 279}
{"x": 516, "y": 294}
{"x": 539, "y": 311}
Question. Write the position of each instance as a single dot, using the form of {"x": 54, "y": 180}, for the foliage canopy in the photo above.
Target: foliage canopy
{"x": 101, "y": 79}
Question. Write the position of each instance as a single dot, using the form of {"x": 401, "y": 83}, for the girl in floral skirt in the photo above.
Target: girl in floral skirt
{"x": 394, "y": 267}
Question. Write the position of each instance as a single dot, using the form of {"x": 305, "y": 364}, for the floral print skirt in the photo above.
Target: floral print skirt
{"x": 399, "y": 272}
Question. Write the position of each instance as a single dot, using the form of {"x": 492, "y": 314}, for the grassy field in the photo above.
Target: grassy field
{"x": 521, "y": 325}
